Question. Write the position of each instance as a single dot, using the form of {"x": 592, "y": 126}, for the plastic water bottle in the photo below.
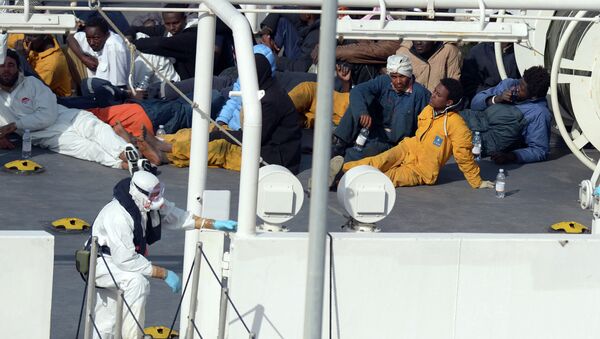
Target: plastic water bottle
{"x": 477, "y": 146}
{"x": 26, "y": 150}
{"x": 160, "y": 132}
{"x": 361, "y": 140}
{"x": 143, "y": 85}
{"x": 500, "y": 184}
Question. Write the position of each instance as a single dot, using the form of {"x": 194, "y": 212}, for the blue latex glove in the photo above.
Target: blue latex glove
{"x": 173, "y": 281}
{"x": 225, "y": 225}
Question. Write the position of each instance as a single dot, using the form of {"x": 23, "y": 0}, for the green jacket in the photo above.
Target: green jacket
{"x": 499, "y": 125}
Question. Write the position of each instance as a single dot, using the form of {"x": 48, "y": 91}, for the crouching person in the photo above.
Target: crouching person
{"x": 124, "y": 228}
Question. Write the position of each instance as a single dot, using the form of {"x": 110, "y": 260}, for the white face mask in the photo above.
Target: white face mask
{"x": 147, "y": 203}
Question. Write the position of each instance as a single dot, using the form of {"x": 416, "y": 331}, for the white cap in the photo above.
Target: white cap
{"x": 399, "y": 63}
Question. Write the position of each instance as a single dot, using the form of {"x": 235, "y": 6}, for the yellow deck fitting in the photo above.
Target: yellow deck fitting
{"x": 160, "y": 332}
{"x": 70, "y": 224}
{"x": 23, "y": 167}
{"x": 570, "y": 227}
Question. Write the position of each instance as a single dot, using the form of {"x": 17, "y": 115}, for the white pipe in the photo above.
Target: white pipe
{"x": 252, "y": 17}
{"x": 498, "y": 54}
{"x": 382, "y": 13}
{"x": 27, "y": 10}
{"x": 242, "y": 36}
{"x": 490, "y": 4}
{"x": 205, "y": 49}
{"x": 317, "y": 220}
{"x": 554, "y": 93}
{"x": 595, "y": 19}
{"x": 481, "y": 14}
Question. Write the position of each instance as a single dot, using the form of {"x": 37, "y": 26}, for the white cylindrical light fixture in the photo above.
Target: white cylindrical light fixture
{"x": 366, "y": 194}
{"x": 280, "y": 196}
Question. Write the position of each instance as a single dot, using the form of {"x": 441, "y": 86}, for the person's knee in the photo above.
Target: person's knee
{"x": 137, "y": 286}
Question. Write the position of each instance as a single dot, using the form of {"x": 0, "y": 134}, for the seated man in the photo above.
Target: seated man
{"x": 387, "y": 106}
{"x": 297, "y": 34}
{"x": 529, "y": 96}
{"x": 103, "y": 52}
{"x": 304, "y": 97}
{"x": 432, "y": 61}
{"x": 280, "y": 138}
{"x": 441, "y": 133}
{"x": 26, "y": 103}
{"x": 49, "y": 62}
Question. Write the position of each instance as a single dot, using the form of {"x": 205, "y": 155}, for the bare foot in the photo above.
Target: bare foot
{"x": 149, "y": 152}
{"x": 122, "y": 132}
{"x": 155, "y": 142}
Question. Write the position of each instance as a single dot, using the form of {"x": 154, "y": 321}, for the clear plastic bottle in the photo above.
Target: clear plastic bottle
{"x": 500, "y": 184}
{"x": 143, "y": 85}
{"x": 477, "y": 144}
{"x": 160, "y": 132}
{"x": 26, "y": 150}
{"x": 361, "y": 140}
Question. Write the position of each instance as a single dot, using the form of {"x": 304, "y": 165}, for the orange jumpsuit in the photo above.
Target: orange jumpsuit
{"x": 417, "y": 160}
{"x": 131, "y": 116}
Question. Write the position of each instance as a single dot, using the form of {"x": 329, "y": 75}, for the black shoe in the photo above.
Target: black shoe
{"x": 338, "y": 147}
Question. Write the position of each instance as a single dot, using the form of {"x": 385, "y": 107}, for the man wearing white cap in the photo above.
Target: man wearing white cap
{"x": 386, "y": 106}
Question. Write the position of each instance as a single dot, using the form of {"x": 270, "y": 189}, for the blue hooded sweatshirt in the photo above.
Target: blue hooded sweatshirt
{"x": 230, "y": 113}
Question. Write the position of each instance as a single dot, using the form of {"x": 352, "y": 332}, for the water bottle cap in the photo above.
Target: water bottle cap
{"x": 476, "y": 132}
{"x": 161, "y": 126}
{"x": 501, "y": 170}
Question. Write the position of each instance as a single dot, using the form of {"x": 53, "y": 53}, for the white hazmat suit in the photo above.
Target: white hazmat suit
{"x": 77, "y": 133}
{"x": 115, "y": 230}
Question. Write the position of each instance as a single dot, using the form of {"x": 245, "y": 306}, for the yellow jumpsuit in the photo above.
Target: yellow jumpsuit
{"x": 221, "y": 153}
{"x": 304, "y": 97}
{"x": 417, "y": 160}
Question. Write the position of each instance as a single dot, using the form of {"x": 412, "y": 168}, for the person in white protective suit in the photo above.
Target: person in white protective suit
{"x": 125, "y": 227}
{"x": 27, "y": 103}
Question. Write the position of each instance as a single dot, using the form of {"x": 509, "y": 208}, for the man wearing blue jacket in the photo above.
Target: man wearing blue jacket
{"x": 528, "y": 94}
{"x": 387, "y": 106}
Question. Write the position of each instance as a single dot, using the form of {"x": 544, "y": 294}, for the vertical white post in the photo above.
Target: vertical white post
{"x": 252, "y": 113}
{"x": 315, "y": 275}
{"x": 90, "y": 295}
{"x": 205, "y": 47}
{"x": 194, "y": 292}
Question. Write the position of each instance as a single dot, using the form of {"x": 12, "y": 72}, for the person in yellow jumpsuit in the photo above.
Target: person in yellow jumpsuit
{"x": 441, "y": 132}
{"x": 304, "y": 97}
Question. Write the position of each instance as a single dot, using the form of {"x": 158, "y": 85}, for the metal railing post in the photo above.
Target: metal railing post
{"x": 189, "y": 334}
{"x": 119, "y": 315}
{"x": 91, "y": 289}
{"x": 223, "y": 311}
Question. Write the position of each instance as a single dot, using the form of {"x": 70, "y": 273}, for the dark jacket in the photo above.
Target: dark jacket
{"x": 281, "y": 136}
{"x": 181, "y": 47}
{"x": 480, "y": 71}
{"x": 499, "y": 125}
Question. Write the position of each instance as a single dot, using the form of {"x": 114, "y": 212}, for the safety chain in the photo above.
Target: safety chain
{"x": 226, "y": 292}
{"x": 187, "y": 281}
